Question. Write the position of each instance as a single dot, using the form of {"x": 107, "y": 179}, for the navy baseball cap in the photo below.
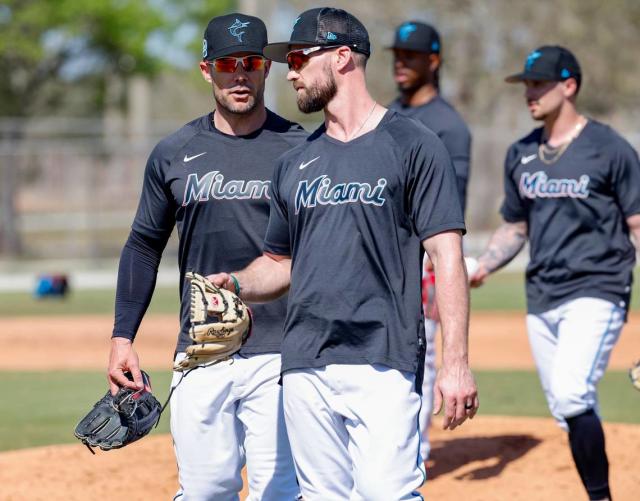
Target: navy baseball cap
{"x": 233, "y": 33}
{"x": 549, "y": 62}
{"x": 418, "y": 37}
{"x": 323, "y": 26}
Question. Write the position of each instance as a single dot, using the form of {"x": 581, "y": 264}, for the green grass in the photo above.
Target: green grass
{"x": 41, "y": 408}
{"x": 501, "y": 292}
{"x": 165, "y": 300}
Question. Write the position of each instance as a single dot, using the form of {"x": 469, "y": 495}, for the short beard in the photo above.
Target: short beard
{"x": 241, "y": 108}
{"x": 316, "y": 98}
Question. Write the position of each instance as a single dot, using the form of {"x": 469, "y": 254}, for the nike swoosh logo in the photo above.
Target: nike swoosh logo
{"x": 304, "y": 164}
{"x": 187, "y": 158}
{"x": 526, "y": 160}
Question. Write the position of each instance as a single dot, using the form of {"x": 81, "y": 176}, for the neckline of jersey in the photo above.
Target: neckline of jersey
{"x": 381, "y": 124}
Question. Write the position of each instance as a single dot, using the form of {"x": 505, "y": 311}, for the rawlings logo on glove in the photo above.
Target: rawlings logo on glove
{"x": 220, "y": 324}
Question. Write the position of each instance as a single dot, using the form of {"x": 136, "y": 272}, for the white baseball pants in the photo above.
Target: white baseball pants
{"x": 223, "y": 416}
{"x": 428, "y": 382}
{"x": 354, "y": 432}
{"x": 571, "y": 345}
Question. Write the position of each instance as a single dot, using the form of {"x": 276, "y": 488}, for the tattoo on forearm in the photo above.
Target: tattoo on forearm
{"x": 505, "y": 244}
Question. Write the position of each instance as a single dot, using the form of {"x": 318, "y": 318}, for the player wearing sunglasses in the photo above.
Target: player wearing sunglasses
{"x": 210, "y": 179}
{"x": 351, "y": 209}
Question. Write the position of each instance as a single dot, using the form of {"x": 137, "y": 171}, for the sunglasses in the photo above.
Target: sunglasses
{"x": 229, "y": 64}
{"x": 296, "y": 59}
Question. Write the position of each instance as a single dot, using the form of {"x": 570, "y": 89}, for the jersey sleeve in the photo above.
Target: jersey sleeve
{"x": 277, "y": 239}
{"x": 458, "y": 144}
{"x": 432, "y": 190}
{"x": 155, "y": 216}
{"x": 513, "y": 208}
{"x": 626, "y": 178}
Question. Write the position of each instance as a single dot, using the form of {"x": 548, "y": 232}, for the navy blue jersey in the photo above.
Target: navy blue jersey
{"x": 215, "y": 188}
{"x": 576, "y": 210}
{"x": 442, "y": 118}
{"x": 352, "y": 217}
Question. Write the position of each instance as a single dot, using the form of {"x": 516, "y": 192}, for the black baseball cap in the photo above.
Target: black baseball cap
{"x": 233, "y": 33}
{"x": 323, "y": 26}
{"x": 549, "y": 62}
{"x": 417, "y": 36}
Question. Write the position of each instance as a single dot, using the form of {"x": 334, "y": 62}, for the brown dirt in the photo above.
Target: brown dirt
{"x": 490, "y": 458}
{"x": 497, "y": 341}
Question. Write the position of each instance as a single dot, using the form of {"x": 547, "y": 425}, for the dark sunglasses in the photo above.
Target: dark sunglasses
{"x": 296, "y": 59}
{"x": 229, "y": 64}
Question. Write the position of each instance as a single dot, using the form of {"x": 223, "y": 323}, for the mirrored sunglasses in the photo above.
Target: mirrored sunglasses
{"x": 296, "y": 59}
{"x": 228, "y": 64}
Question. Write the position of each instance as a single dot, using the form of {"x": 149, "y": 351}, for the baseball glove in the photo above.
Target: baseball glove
{"x": 634, "y": 375}
{"x": 116, "y": 421}
{"x": 220, "y": 324}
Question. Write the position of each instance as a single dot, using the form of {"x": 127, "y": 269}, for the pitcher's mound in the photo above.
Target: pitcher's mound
{"x": 489, "y": 458}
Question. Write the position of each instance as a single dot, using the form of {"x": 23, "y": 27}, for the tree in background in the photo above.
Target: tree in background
{"x": 46, "y": 42}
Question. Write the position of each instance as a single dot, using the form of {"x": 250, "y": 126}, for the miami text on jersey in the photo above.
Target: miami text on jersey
{"x": 538, "y": 185}
{"x": 212, "y": 185}
{"x": 319, "y": 191}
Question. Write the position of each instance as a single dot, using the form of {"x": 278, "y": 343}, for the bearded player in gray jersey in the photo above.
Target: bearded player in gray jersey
{"x": 351, "y": 210}
{"x": 572, "y": 188}
{"x": 417, "y": 57}
{"x": 210, "y": 179}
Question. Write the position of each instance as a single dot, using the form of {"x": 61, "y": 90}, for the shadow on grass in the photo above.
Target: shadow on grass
{"x": 446, "y": 457}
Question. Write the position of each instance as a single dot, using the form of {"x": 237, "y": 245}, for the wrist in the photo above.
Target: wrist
{"x": 236, "y": 284}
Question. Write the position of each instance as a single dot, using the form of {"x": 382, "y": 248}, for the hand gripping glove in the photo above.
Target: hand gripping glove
{"x": 116, "y": 421}
{"x": 220, "y": 324}
{"x": 634, "y": 375}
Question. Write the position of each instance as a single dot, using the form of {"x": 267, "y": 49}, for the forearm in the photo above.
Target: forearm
{"x": 137, "y": 273}
{"x": 634, "y": 230}
{"x": 452, "y": 297}
{"x": 265, "y": 279}
{"x": 505, "y": 244}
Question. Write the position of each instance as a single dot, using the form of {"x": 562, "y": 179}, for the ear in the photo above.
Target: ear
{"x": 205, "y": 70}
{"x": 267, "y": 67}
{"x": 570, "y": 87}
{"x": 434, "y": 62}
{"x": 343, "y": 58}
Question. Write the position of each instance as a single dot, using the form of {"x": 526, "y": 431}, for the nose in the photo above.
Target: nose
{"x": 292, "y": 76}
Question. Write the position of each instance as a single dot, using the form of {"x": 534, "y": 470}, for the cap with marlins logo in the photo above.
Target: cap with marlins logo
{"x": 417, "y": 37}
{"x": 324, "y": 26}
{"x": 549, "y": 63}
{"x": 233, "y": 33}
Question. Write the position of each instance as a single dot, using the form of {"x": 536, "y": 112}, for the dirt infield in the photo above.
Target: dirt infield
{"x": 490, "y": 458}
{"x": 497, "y": 341}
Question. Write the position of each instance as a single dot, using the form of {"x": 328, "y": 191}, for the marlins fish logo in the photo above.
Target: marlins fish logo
{"x": 405, "y": 31}
{"x": 235, "y": 27}
{"x": 531, "y": 58}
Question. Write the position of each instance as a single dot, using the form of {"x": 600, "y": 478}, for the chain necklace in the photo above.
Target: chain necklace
{"x": 550, "y": 154}
{"x": 365, "y": 121}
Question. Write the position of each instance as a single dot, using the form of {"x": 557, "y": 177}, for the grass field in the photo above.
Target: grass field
{"x": 502, "y": 292}
{"x": 43, "y": 408}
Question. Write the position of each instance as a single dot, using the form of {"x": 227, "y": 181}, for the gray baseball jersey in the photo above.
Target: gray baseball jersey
{"x": 215, "y": 188}
{"x": 576, "y": 211}
{"x": 443, "y": 119}
{"x": 352, "y": 217}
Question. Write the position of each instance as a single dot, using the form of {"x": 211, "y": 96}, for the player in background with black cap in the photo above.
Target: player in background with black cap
{"x": 211, "y": 180}
{"x": 417, "y": 58}
{"x": 350, "y": 208}
{"x": 572, "y": 187}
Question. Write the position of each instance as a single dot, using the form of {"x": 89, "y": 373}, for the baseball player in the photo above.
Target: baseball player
{"x": 417, "y": 58}
{"x": 572, "y": 188}
{"x": 350, "y": 208}
{"x": 211, "y": 180}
